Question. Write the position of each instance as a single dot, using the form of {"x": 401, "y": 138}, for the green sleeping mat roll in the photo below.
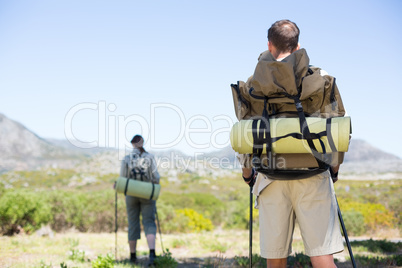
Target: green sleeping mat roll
{"x": 334, "y": 134}
{"x": 142, "y": 189}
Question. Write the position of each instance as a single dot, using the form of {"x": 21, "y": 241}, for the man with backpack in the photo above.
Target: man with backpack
{"x": 282, "y": 200}
{"x": 140, "y": 165}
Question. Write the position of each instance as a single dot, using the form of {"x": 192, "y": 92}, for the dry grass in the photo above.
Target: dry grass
{"x": 191, "y": 250}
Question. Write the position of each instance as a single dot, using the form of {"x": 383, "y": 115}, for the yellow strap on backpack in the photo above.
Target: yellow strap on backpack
{"x": 335, "y": 135}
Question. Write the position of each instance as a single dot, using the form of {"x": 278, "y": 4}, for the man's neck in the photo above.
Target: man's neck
{"x": 281, "y": 55}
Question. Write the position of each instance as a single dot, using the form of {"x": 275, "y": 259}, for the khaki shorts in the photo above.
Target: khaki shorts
{"x": 311, "y": 202}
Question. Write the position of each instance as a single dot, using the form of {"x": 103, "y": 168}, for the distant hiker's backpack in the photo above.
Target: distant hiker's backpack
{"x": 139, "y": 167}
{"x": 289, "y": 89}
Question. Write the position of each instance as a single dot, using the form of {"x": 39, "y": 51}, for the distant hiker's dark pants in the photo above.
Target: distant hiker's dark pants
{"x": 146, "y": 207}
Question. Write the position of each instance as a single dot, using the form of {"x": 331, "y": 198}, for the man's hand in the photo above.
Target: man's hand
{"x": 248, "y": 172}
{"x": 334, "y": 173}
{"x": 249, "y": 176}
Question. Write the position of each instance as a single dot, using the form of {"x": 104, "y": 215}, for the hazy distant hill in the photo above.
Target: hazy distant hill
{"x": 21, "y": 149}
{"x": 361, "y": 151}
{"x": 364, "y": 158}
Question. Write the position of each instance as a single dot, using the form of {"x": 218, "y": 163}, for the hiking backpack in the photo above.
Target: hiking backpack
{"x": 139, "y": 166}
{"x": 271, "y": 93}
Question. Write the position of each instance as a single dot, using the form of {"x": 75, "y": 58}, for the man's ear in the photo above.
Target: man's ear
{"x": 270, "y": 47}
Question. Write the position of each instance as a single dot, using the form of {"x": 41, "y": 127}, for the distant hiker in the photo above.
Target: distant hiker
{"x": 140, "y": 165}
{"x": 283, "y": 200}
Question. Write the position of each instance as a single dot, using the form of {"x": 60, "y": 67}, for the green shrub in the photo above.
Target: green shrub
{"x": 375, "y": 215}
{"x": 376, "y": 261}
{"x": 175, "y": 200}
{"x": 299, "y": 260}
{"x": 87, "y": 211}
{"x": 246, "y": 215}
{"x": 237, "y": 212}
{"x": 23, "y": 208}
{"x": 166, "y": 260}
{"x": 2, "y": 188}
{"x": 354, "y": 222}
{"x": 394, "y": 204}
{"x": 77, "y": 255}
{"x": 104, "y": 261}
{"x": 209, "y": 205}
{"x": 257, "y": 261}
{"x": 237, "y": 215}
{"x": 378, "y": 246}
{"x": 84, "y": 211}
{"x": 205, "y": 203}
{"x": 170, "y": 221}
{"x": 242, "y": 261}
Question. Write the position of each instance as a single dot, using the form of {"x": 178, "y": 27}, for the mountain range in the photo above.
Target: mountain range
{"x": 21, "y": 149}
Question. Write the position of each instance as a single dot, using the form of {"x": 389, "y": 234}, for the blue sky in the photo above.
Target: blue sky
{"x": 101, "y": 71}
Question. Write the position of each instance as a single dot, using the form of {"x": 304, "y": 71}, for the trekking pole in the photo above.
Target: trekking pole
{"x": 159, "y": 228}
{"x": 115, "y": 224}
{"x": 346, "y": 235}
{"x": 250, "y": 253}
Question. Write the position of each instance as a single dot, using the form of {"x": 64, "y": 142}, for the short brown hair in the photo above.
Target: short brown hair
{"x": 284, "y": 35}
